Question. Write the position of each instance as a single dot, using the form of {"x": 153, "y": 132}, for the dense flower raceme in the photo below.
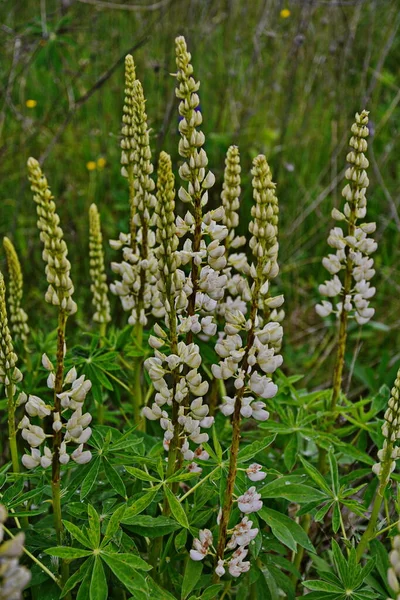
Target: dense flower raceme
{"x": 18, "y": 317}
{"x": 354, "y": 248}
{"x": 187, "y": 300}
{"x": 97, "y": 270}
{"x": 13, "y": 577}
{"x": 249, "y": 351}
{"x": 72, "y": 421}
{"x": 138, "y": 270}
{"x": 55, "y": 252}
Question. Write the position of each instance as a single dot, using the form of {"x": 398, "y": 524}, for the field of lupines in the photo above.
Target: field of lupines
{"x": 172, "y": 457}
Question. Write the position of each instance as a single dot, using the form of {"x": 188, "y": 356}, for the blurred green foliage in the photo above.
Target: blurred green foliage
{"x": 287, "y": 85}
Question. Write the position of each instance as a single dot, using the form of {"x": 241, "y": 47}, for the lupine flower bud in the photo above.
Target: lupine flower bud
{"x": 18, "y": 317}
{"x": 97, "y": 271}
{"x": 352, "y": 250}
{"x": 55, "y": 251}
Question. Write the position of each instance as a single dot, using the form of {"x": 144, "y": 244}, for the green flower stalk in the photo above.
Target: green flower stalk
{"x": 249, "y": 361}
{"x": 353, "y": 251}
{"x": 10, "y": 375}
{"x": 128, "y": 142}
{"x": 387, "y": 461}
{"x": 98, "y": 287}
{"x": 59, "y": 293}
{"x": 18, "y": 317}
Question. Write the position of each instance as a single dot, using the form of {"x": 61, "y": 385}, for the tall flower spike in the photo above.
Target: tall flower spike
{"x": 128, "y": 143}
{"x": 230, "y": 197}
{"x": 193, "y": 170}
{"x": 99, "y": 287}
{"x": 139, "y": 268}
{"x": 14, "y": 577}
{"x": 353, "y": 250}
{"x": 55, "y": 251}
{"x": 249, "y": 362}
{"x": 10, "y": 375}
{"x": 18, "y": 317}
{"x": 387, "y": 457}
{"x": 352, "y": 290}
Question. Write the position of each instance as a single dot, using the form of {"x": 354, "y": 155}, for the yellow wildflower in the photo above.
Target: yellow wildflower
{"x": 31, "y": 103}
{"x": 101, "y": 162}
{"x": 285, "y": 13}
{"x": 91, "y": 165}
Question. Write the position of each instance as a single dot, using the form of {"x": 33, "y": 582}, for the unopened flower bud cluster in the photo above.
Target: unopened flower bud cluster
{"x": 72, "y": 421}
{"x": 138, "y": 270}
{"x": 55, "y": 251}
{"x": 18, "y": 317}
{"x": 391, "y": 431}
{"x": 352, "y": 250}
{"x": 97, "y": 271}
{"x": 13, "y": 577}
{"x": 10, "y": 375}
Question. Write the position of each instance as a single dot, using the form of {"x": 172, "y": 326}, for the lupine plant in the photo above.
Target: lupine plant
{"x": 206, "y": 470}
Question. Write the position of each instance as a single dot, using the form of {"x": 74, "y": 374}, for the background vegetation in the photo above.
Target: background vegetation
{"x": 283, "y": 78}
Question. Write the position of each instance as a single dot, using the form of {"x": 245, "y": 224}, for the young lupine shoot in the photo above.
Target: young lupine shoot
{"x": 10, "y": 375}
{"x": 14, "y": 577}
{"x": 249, "y": 355}
{"x": 387, "y": 457}
{"x": 351, "y": 266}
{"x": 98, "y": 287}
{"x": 18, "y": 317}
{"x": 69, "y": 423}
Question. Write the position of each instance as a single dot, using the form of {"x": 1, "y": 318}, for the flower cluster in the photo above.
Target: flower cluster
{"x": 394, "y": 569}
{"x": 183, "y": 367}
{"x": 13, "y": 577}
{"x": 97, "y": 271}
{"x": 187, "y": 300}
{"x": 391, "y": 431}
{"x": 243, "y": 361}
{"x": 10, "y": 375}
{"x": 18, "y": 317}
{"x": 71, "y": 421}
{"x": 138, "y": 270}
{"x": 353, "y": 249}
{"x": 55, "y": 251}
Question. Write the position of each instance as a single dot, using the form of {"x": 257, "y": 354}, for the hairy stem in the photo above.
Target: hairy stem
{"x": 12, "y": 434}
